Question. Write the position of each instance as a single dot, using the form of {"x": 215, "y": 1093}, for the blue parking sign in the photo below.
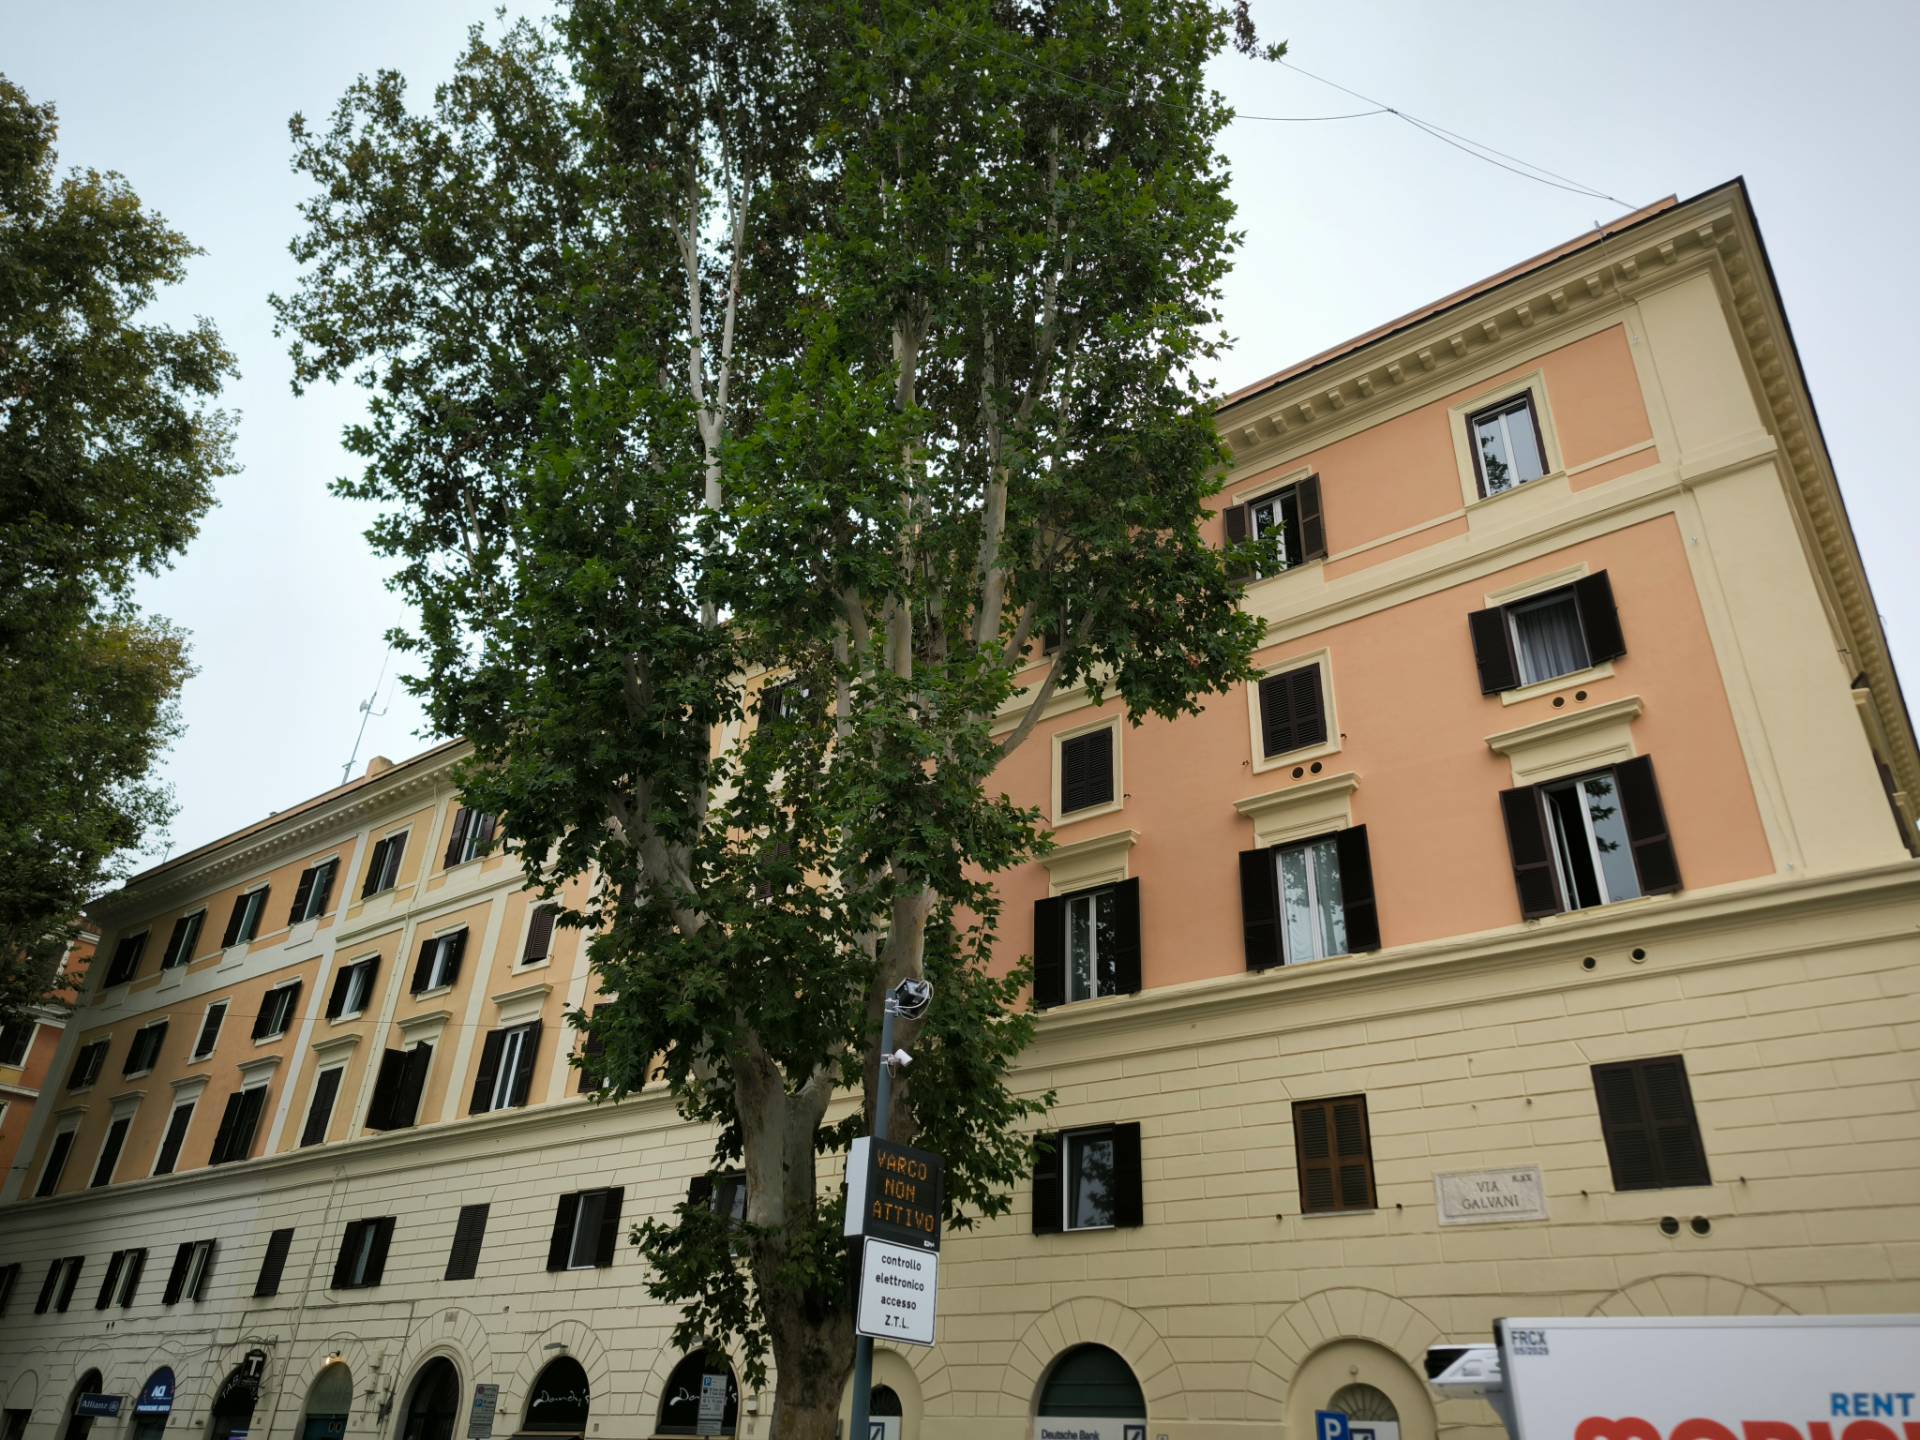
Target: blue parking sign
{"x": 1331, "y": 1425}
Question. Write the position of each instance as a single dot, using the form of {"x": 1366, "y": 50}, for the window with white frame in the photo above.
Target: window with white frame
{"x": 1090, "y": 942}
{"x": 1507, "y": 447}
{"x": 1591, "y": 850}
{"x": 1547, "y": 637}
{"x": 1087, "y": 1169}
{"x": 439, "y": 962}
{"x": 16, "y": 1038}
{"x": 209, "y": 1035}
{"x": 1313, "y": 917}
{"x": 244, "y": 923}
{"x": 353, "y": 989}
{"x": 276, "y": 1011}
{"x": 185, "y": 937}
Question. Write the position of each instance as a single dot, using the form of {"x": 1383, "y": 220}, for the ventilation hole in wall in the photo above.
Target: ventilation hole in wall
{"x": 1589, "y": 963}
{"x": 1639, "y": 954}
{"x": 1702, "y": 1225}
{"x": 1579, "y": 694}
{"x": 1669, "y": 1225}
{"x": 1558, "y": 701}
{"x": 1315, "y": 767}
{"x": 1298, "y": 771}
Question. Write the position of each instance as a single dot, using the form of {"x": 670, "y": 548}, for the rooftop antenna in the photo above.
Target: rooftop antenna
{"x": 367, "y": 712}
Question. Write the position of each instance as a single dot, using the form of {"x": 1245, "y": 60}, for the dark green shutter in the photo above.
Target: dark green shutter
{"x": 1493, "y": 651}
{"x": 1532, "y": 857}
{"x": 1046, "y": 1184}
{"x": 488, "y": 1073}
{"x": 1050, "y": 952}
{"x": 609, "y": 1239}
{"x": 1599, "y": 620}
{"x": 1356, "y": 889}
{"x": 1128, "y": 1203}
{"x": 273, "y": 1264}
{"x": 1646, "y": 822}
{"x": 1125, "y": 937}
{"x": 1313, "y": 529}
{"x": 1260, "y": 908}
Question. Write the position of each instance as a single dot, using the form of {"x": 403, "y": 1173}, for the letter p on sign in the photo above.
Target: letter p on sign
{"x": 1331, "y": 1425}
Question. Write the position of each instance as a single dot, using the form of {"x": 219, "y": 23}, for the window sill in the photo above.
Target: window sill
{"x": 432, "y": 992}
{"x": 1612, "y": 907}
{"x": 540, "y": 964}
{"x": 1338, "y": 1214}
{"x": 1086, "y": 1229}
{"x": 1572, "y": 680}
{"x": 345, "y": 1015}
{"x": 1253, "y": 581}
{"x": 1092, "y": 812}
{"x": 259, "y": 1040}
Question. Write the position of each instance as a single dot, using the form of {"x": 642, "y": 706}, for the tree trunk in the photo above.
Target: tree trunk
{"x": 812, "y": 1361}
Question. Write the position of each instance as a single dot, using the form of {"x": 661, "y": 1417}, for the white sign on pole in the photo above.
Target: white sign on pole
{"x": 896, "y": 1293}
{"x": 1486, "y": 1197}
{"x": 712, "y": 1414}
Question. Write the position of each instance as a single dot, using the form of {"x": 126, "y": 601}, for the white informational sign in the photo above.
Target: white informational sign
{"x": 1374, "y": 1429}
{"x": 883, "y": 1427}
{"x": 1068, "y": 1427}
{"x": 712, "y": 1415}
{"x": 1487, "y": 1197}
{"x": 1838, "y": 1377}
{"x": 897, "y": 1288}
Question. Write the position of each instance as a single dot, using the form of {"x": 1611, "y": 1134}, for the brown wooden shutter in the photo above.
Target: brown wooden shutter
{"x": 1086, "y": 770}
{"x": 1334, "y": 1155}
{"x": 300, "y": 894}
{"x": 1129, "y": 1207}
{"x": 1648, "y": 1121}
{"x": 1050, "y": 952}
{"x": 1313, "y": 529}
{"x": 349, "y": 1247}
{"x": 374, "y": 867}
{"x": 1356, "y": 889}
{"x": 488, "y": 1073}
{"x": 1599, "y": 620}
{"x": 177, "y": 1276}
{"x": 209, "y": 1029}
{"x": 1235, "y": 519}
{"x": 522, "y": 1089}
{"x": 1124, "y": 938}
{"x": 1646, "y": 822}
{"x": 592, "y": 1049}
{"x": 1493, "y": 651}
{"x": 609, "y": 1239}
{"x": 1260, "y": 908}
{"x": 377, "y": 1255}
{"x": 273, "y": 1264}
{"x": 483, "y": 828}
{"x": 1047, "y": 1192}
{"x": 469, "y": 1234}
{"x": 323, "y": 885}
{"x": 232, "y": 936}
{"x": 413, "y": 1080}
{"x": 1293, "y": 712}
{"x": 246, "y": 1122}
{"x": 457, "y": 945}
{"x": 456, "y": 843}
{"x": 1353, "y": 1153}
{"x": 539, "y": 934}
{"x": 326, "y": 1090}
{"x": 561, "y": 1239}
{"x": 386, "y": 1088}
{"x": 423, "y": 967}
{"x": 1533, "y": 870}
{"x": 223, "y": 1136}
{"x": 337, "y": 997}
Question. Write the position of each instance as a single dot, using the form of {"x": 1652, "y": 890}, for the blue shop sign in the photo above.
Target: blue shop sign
{"x": 157, "y": 1398}
{"x": 99, "y": 1407}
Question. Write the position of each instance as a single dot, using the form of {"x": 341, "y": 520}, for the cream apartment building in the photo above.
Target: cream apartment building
{"x": 1539, "y": 935}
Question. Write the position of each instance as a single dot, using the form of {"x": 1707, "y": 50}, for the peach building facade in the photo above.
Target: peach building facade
{"x": 1536, "y": 936}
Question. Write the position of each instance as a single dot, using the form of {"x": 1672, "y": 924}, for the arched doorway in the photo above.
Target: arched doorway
{"x": 77, "y": 1424}
{"x": 153, "y": 1406}
{"x": 233, "y": 1402}
{"x": 884, "y": 1409}
{"x": 1370, "y": 1414}
{"x": 433, "y": 1403}
{"x": 559, "y": 1400}
{"x": 701, "y": 1389}
{"x": 1090, "y": 1390}
{"x": 329, "y": 1401}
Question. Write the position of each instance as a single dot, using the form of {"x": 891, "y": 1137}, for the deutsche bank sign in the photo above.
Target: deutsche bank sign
{"x": 897, "y": 1285}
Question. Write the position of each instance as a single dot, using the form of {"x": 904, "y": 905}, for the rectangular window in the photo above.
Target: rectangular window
{"x": 1542, "y": 637}
{"x": 1087, "y": 1179}
{"x": 122, "y": 1279}
{"x": 505, "y": 1077}
{"x": 56, "y": 1162}
{"x": 472, "y": 836}
{"x": 1087, "y": 944}
{"x": 1086, "y": 770}
{"x": 176, "y": 1136}
{"x": 586, "y": 1230}
{"x": 1334, "y": 1152}
{"x": 539, "y": 935}
{"x": 1293, "y": 711}
{"x": 326, "y": 1089}
{"x": 1289, "y": 519}
{"x": 234, "y": 1139}
{"x": 209, "y": 1034}
{"x": 273, "y": 1264}
{"x": 469, "y": 1234}
{"x": 363, "y": 1254}
{"x": 315, "y": 889}
{"x": 353, "y": 989}
{"x": 1589, "y": 840}
{"x": 185, "y": 937}
{"x": 244, "y": 923}
{"x": 397, "y": 1090}
{"x": 724, "y": 1192}
{"x": 1507, "y": 448}
{"x": 56, "y": 1291}
{"x": 110, "y": 1151}
{"x": 439, "y": 963}
{"x": 191, "y": 1274}
{"x": 88, "y": 1061}
{"x": 1309, "y": 900}
{"x": 144, "y": 1053}
{"x": 126, "y": 958}
{"x": 383, "y": 869}
{"x": 1647, "y": 1116}
{"x": 277, "y": 1008}
{"x": 16, "y": 1038}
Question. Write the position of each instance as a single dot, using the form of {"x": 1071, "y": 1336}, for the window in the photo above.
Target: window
{"x": 326, "y": 1089}
{"x": 469, "y": 1233}
{"x": 472, "y": 836}
{"x": 122, "y": 1279}
{"x": 110, "y": 1151}
{"x": 176, "y": 1136}
{"x": 144, "y": 1053}
{"x": 1506, "y": 444}
{"x": 276, "y": 1011}
{"x": 1334, "y": 1151}
{"x": 56, "y": 1162}
{"x": 234, "y": 1139}
{"x": 1590, "y": 840}
{"x": 1289, "y": 518}
{"x": 126, "y": 958}
{"x": 88, "y": 1061}
{"x": 1293, "y": 711}
{"x": 586, "y": 1230}
{"x": 1087, "y": 1179}
{"x": 244, "y": 923}
{"x": 1086, "y": 770}
{"x": 1542, "y": 637}
{"x": 1309, "y": 900}
{"x": 273, "y": 1264}
{"x": 539, "y": 944}
{"x": 505, "y": 1077}
{"x": 1647, "y": 1117}
{"x": 15, "y": 1040}
{"x": 697, "y": 1375}
{"x": 724, "y": 1192}
{"x": 397, "y": 1090}
{"x": 9, "y": 1277}
{"x": 1094, "y": 1382}
{"x": 363, "y": 1254}
{"x": 13, "y": 1423}
{"x": 383, "y": 870}
{"x": 192, "y": 1271}
{"x": 353, "y": 989}
{"x": 209, "y": 1030}
{"x": 180, "y": 944}
{"x": 56, "y": 1291}
{"x": 1087, "y": 944}
{"x": 315, "y": 889}
{"x": 439, "y": 962}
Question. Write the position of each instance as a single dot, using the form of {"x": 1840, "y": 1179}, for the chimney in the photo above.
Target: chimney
{"x": 378, "y": 765}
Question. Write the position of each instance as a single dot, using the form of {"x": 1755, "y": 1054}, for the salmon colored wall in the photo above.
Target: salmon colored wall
{"x": 413, "y": 861}
{"x": 1414, "y": 727}
{"x": 474, "y": 970}
{"x": 362, "y": 1062}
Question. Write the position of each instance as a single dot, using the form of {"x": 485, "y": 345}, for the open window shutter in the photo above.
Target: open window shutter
{"x": 1313, "y": 529}
{"x": 1235, "y": 518}
{"x": 374, "y": 867}
{"x": 1631, "y": 1153}
{"x": 300, "y": 894}
{"x": 1313, "y": 1153}
{"x": 337, "y": 997}
{"x": 413, "y": 1080}
{"x": 1646, "y": 821}
{"x": 47, "y": 1288}
{"x": 1599, "y": 619}
{"x": 539, "y": 935}
{"x": 377, "y": 1257}
{"x": 233, "y": 923}
{"x": 114, "y": 1263}
{"x": 273, "y": 1264}
{"x": 1128, "y": 1209}
{"x": 323, "y": 885}
{"x": 456, "y": 952}
{"x": 423, "y": 967}
{"x": 523, "y": 1072}
{"x": 349, "y": 1247}
{"x": 1050, "y": 952}
{"x": 489, "y": 1071}
{"x": 292, "y": 1002}
{"x": 1676, "y": 1130}
{"x": 136, "y": 1267}
{"x": 609, "y": 1228}
{"x": 246, "y": 1121}
{"x": 1125, "y": 937}
{"x": 69, "y": 1282}
{"x": 1356, "y": 889}
{"x": 1352, "y": 1154}
{"x": 469, "y": 1234}
{"x": 326, "y": 1090}
{"x": 223, "y": 1137}
{"x": 564, "y": 1215}
{"x": 1260, "y": 908}
{"x": 700, "y": 1192}
{"x": 177, "y": 1276}
{"x": 483, "y": 828}
{"x": 1493, "y": 651}
{"x": 386, "y": 1087}
{"x": 456, "y": 844}
{"x": 206, "y": 1270}
{"x": 1533, "y": 875}
{"x": 1046, "y": 1184}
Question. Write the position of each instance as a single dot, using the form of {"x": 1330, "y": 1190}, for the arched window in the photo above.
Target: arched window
{"x": 1368, "y": 1410}
{"x": 329, "y": 1401}
{"x": 558, "y": 1401}
{"x": 883, "y": 1402}
{"x": 153, "y": 1405}
{"x": 1092, "y": 1382}
{"x": 433, "y": 1403}
{"x": 77, "y": 1424}
{"x": 696, "y": 1381}
{"x": 233, "y": 1402}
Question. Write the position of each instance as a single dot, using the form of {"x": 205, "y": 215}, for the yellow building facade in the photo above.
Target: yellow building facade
{"x": 1539, "y": 935}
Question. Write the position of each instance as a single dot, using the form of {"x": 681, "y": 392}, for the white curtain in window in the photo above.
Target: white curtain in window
{"x": 1548, "y": 641}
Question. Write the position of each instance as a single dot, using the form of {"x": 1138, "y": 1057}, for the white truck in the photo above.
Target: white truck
{"x": 1830, "y": 1377}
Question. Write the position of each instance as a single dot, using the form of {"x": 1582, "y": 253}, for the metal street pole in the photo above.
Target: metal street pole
{"x": 863, "y": 1344}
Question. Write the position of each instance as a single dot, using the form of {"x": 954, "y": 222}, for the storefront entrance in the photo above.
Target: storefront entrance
{"x": 329, "y": 1399}
{"x": 77, "y": 1424}
{"x": 433, "y": 1404}
{"x": 233, "y": 1403}
{"x": 559, "y": 1401}
{"x": 153, "y": 1405}
{"x": 1091, "y": 1394}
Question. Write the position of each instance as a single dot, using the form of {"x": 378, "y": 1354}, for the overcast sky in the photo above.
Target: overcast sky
{"x": 1348, "y": 223}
